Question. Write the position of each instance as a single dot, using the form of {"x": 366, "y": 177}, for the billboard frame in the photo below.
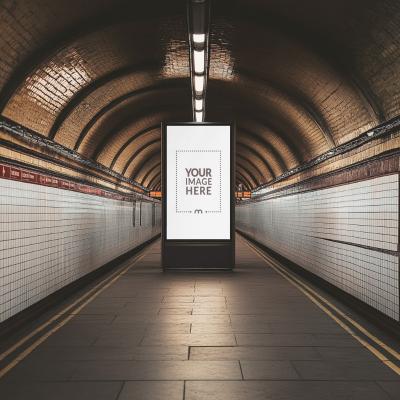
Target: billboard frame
{"x": 197, "y": 253}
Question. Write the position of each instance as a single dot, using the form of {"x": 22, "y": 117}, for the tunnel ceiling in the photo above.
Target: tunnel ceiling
{"x": 298, "y": 77}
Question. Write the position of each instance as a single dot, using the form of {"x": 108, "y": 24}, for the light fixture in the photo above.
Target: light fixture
{"x": 198, "y": 60}
{"x": 199, "y": 38}
{"x": 198, "y": 104}
{"x": 199, "y": 83}
{"x": 199, "y": 27}
{"x": 199, "y": 116}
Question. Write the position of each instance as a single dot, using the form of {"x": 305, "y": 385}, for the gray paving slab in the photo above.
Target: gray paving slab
{"x": 194, "y": 339}
{"x": 87, "y": 353}
{"x": 61, "y": 391}
{"x": 297, "y": 319}
{"x": 71, "y": 339}
{"x": 295, "y": 339}
{"x": 156, "y": 370}
{"x": 39, "y": 370}
{"x": 254, "y": 353}
{"x": 306, "y": 327}
{"x": 178, "y": 299}
{"x": 165, "y": 327}
{"x": 210, "y": 311}
{"x": 391, "y": 388}
{"x": 173, "y": 318}
{"x": 119, "y": 340}
{"x": 152, "y": 390}
{"x": 203, "y": 327}
{"x": 344, "y": 370}
{"x": 345, "y": 353}
{"x": 209, "y": 299}
{"x": 92, "y": 319}
{"x": 284, "y": 390}
{"x": 176, "y": 311}
{"x": 247, "y": 334}
{"x": 268, "y": 370}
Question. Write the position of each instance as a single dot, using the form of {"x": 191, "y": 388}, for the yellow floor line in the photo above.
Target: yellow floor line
{"x": 49, "y": 322}
{"x": 390, "y": 350}
{"x": 110, "y": 280}
{"x": 288, "y": 276}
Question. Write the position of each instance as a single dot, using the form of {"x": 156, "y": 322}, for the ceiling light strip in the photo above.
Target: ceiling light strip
{"x": 198, "y": 24}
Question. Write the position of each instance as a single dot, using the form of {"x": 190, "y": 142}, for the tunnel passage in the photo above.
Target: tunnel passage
{"x": 298, "y": 80}
{"x": 311, "y": 86}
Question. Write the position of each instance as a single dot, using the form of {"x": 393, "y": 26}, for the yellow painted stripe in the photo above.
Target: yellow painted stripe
{"x": 302, "y": 287}
{"x": 89, "y": 296}
{"x": 379, "y": 342}
{"x": 51, "y": 320}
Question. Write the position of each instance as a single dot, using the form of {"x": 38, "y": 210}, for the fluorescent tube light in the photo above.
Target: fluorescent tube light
{"x": 199, "y": 116}
{"x": 199, "y": 83}
{"x": 198, "y": 104}
{"x": 198, "y": 38}
{"x": 198, "y": 59}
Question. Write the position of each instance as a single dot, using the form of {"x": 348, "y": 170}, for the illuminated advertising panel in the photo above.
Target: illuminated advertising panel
{"x": 198, "y": 182}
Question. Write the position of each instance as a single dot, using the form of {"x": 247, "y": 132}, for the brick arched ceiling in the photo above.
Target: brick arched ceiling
{"x": 298, "y": 77}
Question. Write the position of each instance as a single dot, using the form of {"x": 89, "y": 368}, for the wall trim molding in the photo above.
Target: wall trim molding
{"x": 378, "y": 132}
{"x": 33, "y": 138}
{"x": 373, "y": 167}
{"x": 16, "y": 171}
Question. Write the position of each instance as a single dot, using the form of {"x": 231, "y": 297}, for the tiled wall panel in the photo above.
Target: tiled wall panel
{"x": 50, "y": 237}
{"x": 346, "y": 234}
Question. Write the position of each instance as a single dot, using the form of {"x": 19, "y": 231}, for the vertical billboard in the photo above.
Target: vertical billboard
{"x": 198, "y": 182}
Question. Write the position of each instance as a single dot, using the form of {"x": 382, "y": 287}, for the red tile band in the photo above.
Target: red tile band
{"x": 24, "y": 175}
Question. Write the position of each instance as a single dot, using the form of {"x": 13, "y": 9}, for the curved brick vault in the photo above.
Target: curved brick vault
{"x": 299, "y": 78}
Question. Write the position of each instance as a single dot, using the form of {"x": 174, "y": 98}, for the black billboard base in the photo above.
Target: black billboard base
{"x": 198, "y": 255}
{"x": 211, "y": 150}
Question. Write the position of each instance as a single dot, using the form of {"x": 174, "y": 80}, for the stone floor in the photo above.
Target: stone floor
{"x": 247, "y": 334}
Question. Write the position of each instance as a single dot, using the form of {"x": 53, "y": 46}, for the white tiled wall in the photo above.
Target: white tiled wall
{"x": 50, "y": 237}
{"x": 305, "y": 229}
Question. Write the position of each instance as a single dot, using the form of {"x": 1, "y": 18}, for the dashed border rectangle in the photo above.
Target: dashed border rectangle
{"x": 176, "y": 179}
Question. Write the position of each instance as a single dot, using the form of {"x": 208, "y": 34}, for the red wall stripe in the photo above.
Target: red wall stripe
{"x": 24, "y": 175}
